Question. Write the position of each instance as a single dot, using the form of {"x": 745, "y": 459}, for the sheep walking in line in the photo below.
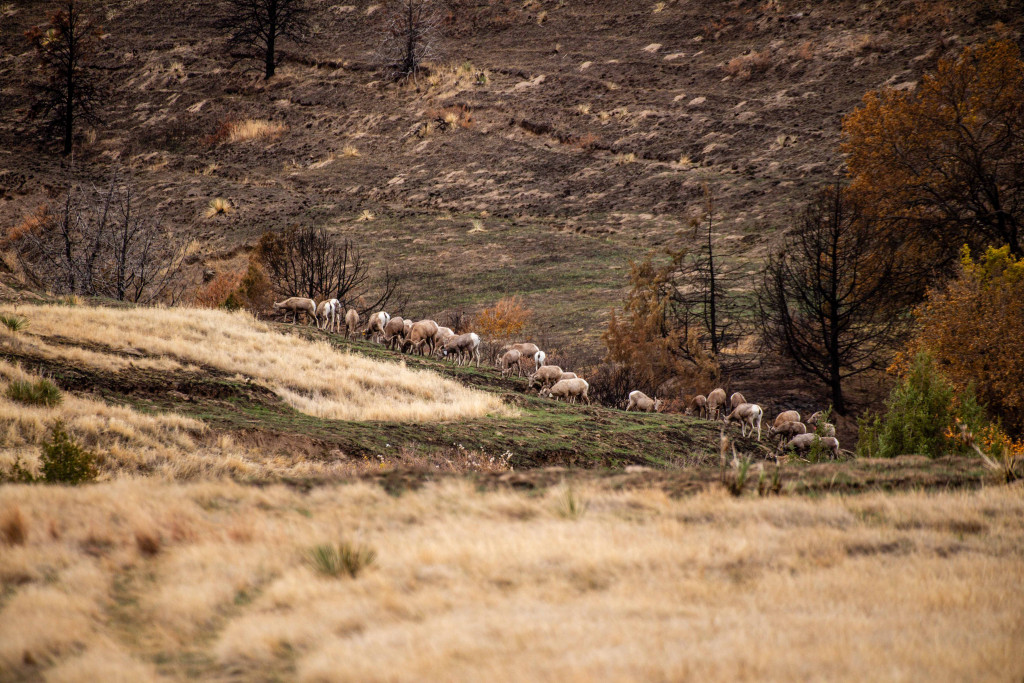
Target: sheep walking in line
{"x": 351, "y": 322}
{"x": 568, "y": 389}
{"x": 375, "y": 326}
{"x": 394, "y": 333}
{"x": 510, "y": 359}
{"x": 747, "y": 414}
{"x": 421, "y": 335}
{"x": 802, "y": 443}
{"x": 638, "y": 400}
{"x": 716, "y": 403}
{"x": 296, "y": 305}
{"x": 699, "y": 405}
{"x": 465, "y": 348}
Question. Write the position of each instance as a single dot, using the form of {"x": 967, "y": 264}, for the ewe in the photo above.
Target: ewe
{"x": 736, "y": 400}
{"x": 803, "y": 442}
{"x": 784, "y": 417}
{"x": 509, "y": 359}
{"x": 747, "y": 414}
{"x": 568, "y": 389}
{"x": 375, "y": 326}
{"x": 421, "y": 336}
{"x": 394, "y": 333}
{"x": 295, "y": 305}
{"x": 464, "y": 347}
{"x": 698, "y": 404}
{"x": 716, "y": 403}
{"x": 640, "y": 401}
{"x": 351, "y": 322}
{"x": 546, "y": 376}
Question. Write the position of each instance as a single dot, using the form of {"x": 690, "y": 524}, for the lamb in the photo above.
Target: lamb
{"x": 394, "y": 332}
{"x": 803, "y": 442}
{"x": 787, "y": 430}
{"x": 547, "y": 376}
{"x": 375, "y": 326}
{"x": 295, "y": 305}
{"x": 716, "y": 403}
{"x": 351, "y": 322}
{"x": 747, "y": 414}
{"x": 464, "y": 347}
{"x": 641, "y": 401}
{"x": 736, "y": 400}
{"x": 698, "y": 404}
{"x": 421, "y": 336}
{"x": 784, "y": 417}
{"x": 508, "y": 359}
{"x": 569, "y": 389}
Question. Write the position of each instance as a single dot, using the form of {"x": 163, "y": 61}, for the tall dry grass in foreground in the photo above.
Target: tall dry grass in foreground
{"x": 313, "y": 377}
{"x": 138, "y": 579}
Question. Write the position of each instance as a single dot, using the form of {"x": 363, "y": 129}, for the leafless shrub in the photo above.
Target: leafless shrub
{"x": 411, "y": 35}
{"x": 256, "y": 27}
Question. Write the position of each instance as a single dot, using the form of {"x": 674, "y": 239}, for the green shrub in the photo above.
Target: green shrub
{"x": 18, "y": 474}
{"x": 15, "y": 323}
{"x": 65, "y": 461}
{"x": 921, "y": 416}
{"x": 344, "y": 558}
{"x": 819, "y": 452}
{"x": 40, "y": 393}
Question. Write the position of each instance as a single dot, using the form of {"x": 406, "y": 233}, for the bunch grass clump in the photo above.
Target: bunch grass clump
{"x": 42, "y": 392}
{"x": 341, "y": 559}
{"x": 15, "y": 323}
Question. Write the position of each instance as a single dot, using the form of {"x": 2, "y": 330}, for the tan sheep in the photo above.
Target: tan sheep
{"x": 568, "y": 389}
{"x": 351, "y": 322}
{"x": 784, "y": 417}
{"x": 716, "y": 403}
{"x": 296, "y": 305}
{"x": 736, "y": 400}
{"x": 375, "y": 326}
{"x": 510, "y": 359}
{"x": 747, "y": 414}
{"x": 787, "y": 430}
{"x": 464, "y": 348}
{"x": 638, "y": 400}
{"x": 802, "y": 443}
{"x": 327, "y": 314}
{"x": 421, "y": 336}
{"x": 699, "y": 405}
{"x": 567, "y": 375}
{"x": 394, "y": 332}
{"x": 546, "y": 376}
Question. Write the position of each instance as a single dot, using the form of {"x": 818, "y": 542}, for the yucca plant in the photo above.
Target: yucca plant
{"x": 40, "y": 393}
{"x": 343, "y": 558}
{"x": 15, "y": 323}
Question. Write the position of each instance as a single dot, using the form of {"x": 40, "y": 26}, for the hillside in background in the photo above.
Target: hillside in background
{"x": 553, "y": 141}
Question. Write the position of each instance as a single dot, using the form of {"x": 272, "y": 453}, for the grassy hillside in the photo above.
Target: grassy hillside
{"x": 550, "y": 144}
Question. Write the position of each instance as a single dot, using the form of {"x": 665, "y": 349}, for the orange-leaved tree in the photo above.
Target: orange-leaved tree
{"x": 646, "y": 339}
{"x": 973, "y": 328}
{"x": 944, "y": 164}
{"x": 505, "y": 321}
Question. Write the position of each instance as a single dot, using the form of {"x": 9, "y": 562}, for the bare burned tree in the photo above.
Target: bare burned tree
{"x": 412, "y": 32}
{"x": 313, "y": 263}
{"x": 830, "y": 299}
{"x": 67, "y": 91}
{"x": 102, "y": 245}
{"x": 257, "y": 26}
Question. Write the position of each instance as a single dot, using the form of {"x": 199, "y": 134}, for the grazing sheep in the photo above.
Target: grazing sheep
{"x": 747, "y": 414}
{"x": 394, "y": 332}
{"x": 716, "y": 403}
{"x": 640, "y": 401}
{"x": 569, "y": 389}
{"x": 421, "y": 336}
{"x": 326, "y": 314}
{"x": 539, "y": 358}
{"x": 823, "y": 428}
{"x": 443, "y": 335}
{"x": 351, "y": 322}
{"x": 546, "y": 376}
{"x": 530, "y": 350}
{"x": 784, "y": 417}
{"x": 295, "y": 305}
{"x": 803, "y": 442}
{"x": 736, "y": 400}
{"x": 698, "y": 404}
{"x": 508, "y": 359}
{"x": 464, "y": 347}
{"x": 813, "y": 419}
{"x": 375, "y": 326}
{"x": 566, "y": 375}
{"x": 787, "y": 430}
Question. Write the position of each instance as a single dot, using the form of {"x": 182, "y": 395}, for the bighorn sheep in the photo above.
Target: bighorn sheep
{"x": 803, "y": 442}
{"x": 326, "y": 314}
{"x": 787, "y": 430}
{"x": 784, "y": 417}
{"x": 716, "y": 403}
{"x": 813, "y": 419}
{"x": 421, "y": 336}
{"x": 465, "y": 347}
{"x": 529, "y": 350}
{"x": 747, "y": 414}
{"x": 822, "y": 428}
{"x": 736, "y": 400}
{"x": 394, "y": 332}
{"x": 443, "y": 335}
{"x": 698, "y": 404}
{"x": 640, "y": 401}
{"x": 539, "y": 359}
{"x": 375, "y": 326}
{"x": 351, "y": 322}
{"x": 509, "y": 359}
{"x": 567, "y": 375}
{"x": 547, "y": 376}
{"x": 569, "y": 389}
{"x": 295, "y": 305}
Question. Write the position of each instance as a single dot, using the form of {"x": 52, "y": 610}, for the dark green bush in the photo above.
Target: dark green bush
{"x": 40, "y": 393}
{"x": 65, "y": 461}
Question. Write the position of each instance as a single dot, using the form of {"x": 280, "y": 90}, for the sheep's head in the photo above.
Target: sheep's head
{"x": 545, "y": 392}
{"x": 657, "y": 405}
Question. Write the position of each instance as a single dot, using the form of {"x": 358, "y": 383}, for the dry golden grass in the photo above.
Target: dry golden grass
{"x": 254, "y": 129}
{"x": 219, "y": 205}
{"x": 504, "y": 586}
{"x": 313, "y": 377}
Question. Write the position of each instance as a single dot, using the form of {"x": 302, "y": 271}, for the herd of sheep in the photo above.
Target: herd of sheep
{"x": 426, "y": 337}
